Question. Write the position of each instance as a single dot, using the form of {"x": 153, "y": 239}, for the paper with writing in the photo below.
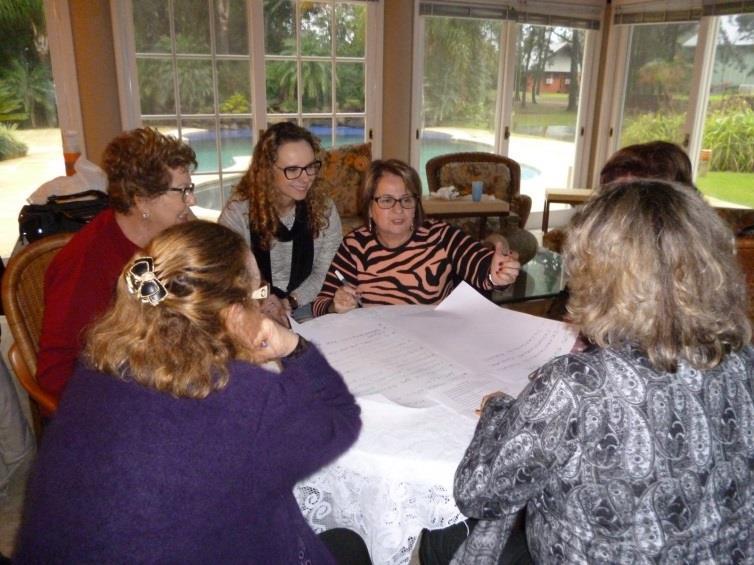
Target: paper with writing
{"x": 452, "y": 354}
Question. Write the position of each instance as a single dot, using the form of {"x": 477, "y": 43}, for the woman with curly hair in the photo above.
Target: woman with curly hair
{"x": 638, "y": 449}
{"x": 292, "y": 226}
{"x": 150, "y": 189}
{"x": 172, "y": 443}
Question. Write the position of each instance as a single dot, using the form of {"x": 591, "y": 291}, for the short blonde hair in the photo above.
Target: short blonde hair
{"x": 650, "y": 264}
{"x": 181, "y": 345}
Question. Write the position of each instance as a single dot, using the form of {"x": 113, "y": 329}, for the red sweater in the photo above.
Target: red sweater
{"x": 79, "y": 284}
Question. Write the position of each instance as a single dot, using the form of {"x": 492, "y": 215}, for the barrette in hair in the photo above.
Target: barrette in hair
{"x": 142, "y": 282}
{"x": 262, "y": 292}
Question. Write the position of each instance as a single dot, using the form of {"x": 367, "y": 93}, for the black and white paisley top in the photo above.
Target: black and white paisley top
{"x": 617, "y": 463}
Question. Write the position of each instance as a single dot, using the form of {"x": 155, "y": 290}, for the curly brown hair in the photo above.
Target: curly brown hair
{"x": 181, "y": 346}
{"x": 138, "y": 163}
{"x": 651, "y": 264}
{"x": 258, "y": 184}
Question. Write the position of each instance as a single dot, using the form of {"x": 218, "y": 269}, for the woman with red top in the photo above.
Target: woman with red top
{"x": 150, "y": 189}
{"x": 401, "y": 258}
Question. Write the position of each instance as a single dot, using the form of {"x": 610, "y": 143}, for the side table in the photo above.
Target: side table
{"x": 571, "y": 196}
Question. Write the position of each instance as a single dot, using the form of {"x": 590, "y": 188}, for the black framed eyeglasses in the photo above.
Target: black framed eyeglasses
{"x": 293, "y": 172}
{"x": 185, "y": 191}
{"x": 407, "y": 201}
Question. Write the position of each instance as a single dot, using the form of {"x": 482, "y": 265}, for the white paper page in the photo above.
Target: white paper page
{"x": 376, "y": 357}
{"x": 499, "y": 345}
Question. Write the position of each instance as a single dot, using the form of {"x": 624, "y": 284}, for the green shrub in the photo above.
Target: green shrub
{"x": 730, "y": 136}
{"x": 10, "y": 147}
{"x": 237, "y": 103}
{"x": 649, "y": 127}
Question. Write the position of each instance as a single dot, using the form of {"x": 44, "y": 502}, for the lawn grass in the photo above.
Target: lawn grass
{"x": 737, "y": 188}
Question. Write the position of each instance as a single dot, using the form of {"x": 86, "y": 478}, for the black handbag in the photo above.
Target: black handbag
{"x": 68, "y": 213}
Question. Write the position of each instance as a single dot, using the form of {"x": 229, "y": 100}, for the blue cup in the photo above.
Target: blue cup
{"x": 477, "y": 188}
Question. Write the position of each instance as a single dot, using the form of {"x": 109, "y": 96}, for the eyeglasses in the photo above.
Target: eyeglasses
{"x": 292, "y": 173}
{"x": 185, "y": 191}
{"x": 407, "y": 201}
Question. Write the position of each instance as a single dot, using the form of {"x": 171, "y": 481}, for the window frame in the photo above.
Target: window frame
{"x": 128, "y": 85}
{"x": 585, "y": 121}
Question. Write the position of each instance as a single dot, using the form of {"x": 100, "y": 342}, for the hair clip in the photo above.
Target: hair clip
{"x": 262, "y": 292}
{"x": 142, "y": 282}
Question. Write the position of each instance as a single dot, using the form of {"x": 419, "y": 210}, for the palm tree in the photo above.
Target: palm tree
{"x": 32, "y": 83}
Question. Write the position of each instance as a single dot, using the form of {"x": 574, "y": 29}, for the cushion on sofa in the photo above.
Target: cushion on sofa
{"x": 343, "y": 171}
{"x": 496, "y": 177}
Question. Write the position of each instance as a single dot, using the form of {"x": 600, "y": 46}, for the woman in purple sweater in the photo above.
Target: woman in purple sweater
{"x": 173, "y": 444}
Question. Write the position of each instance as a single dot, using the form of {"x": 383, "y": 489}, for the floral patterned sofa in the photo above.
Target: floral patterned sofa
{"x": 501, "y": 176}
{"x": 343, "y": 171}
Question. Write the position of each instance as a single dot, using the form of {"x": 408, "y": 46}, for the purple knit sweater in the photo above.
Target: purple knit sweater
{"x": 129, "y": 474}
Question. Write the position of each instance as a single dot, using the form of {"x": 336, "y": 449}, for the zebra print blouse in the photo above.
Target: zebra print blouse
{"x": 421, "y": 271}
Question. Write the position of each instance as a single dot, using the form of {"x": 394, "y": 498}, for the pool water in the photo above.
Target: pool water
{"x": 236, "y": 149}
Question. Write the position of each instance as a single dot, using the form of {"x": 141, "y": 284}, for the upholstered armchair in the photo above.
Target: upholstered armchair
{"x": 343, "y": 172}
{"x": 501, "y": 176}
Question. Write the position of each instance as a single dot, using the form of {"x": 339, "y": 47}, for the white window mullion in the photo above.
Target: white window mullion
{"x": 255, "y": 16}
{"x": 704, "y": 60}
{"x": 121, "y": 14}
{"x": 506, "y": 77}
{"x": 587, "y": 107}
{"x": 373, "y": 77}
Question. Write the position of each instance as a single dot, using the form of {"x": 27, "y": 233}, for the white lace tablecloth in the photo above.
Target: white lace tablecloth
{"x": 396, "y": 479}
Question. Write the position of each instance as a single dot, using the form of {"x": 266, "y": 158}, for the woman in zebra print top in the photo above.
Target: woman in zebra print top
{"x": 401, "y": 258}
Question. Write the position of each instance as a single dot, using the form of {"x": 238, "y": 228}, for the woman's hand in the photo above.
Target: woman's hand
{"x": 486, "y": 398}
{"x": 261, "y": 338}
{"x": 273, "y": 341}
{"x": 346, "y": 298}
{"x": 504, "y": 267}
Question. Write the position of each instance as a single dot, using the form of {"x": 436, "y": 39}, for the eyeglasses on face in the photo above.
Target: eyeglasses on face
{"x": 407, "y": 201}
{"x": 292, "y": 173}
{"x": 185, "y": 191}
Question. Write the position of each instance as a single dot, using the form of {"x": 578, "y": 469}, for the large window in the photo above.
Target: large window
{"x": 546, "y": 93}
{"x": 216, "y": 72}
{"x": 726, "y": 160}
{"x": 460, "y": 86}
{"x": 38, "y": 100}
{"x": 493, "y": 82}
{"x": 658, "y": 83}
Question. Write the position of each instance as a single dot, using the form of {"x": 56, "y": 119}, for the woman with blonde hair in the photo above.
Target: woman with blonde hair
{"x": 638, "y": 449}
{"x": 292, "y": 226}
{"x": 173, "y": 444}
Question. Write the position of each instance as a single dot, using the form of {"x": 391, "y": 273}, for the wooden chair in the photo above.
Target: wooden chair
{"x": 501, "y": 176}
{"x": 23, "y": 302}
{"x": 745, "y": 255}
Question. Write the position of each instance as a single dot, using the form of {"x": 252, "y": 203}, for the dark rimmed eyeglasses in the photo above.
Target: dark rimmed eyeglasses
{"x": 292, "y": 173}
{"x": 407, "y": 201}
{"x": 185, "y": 191}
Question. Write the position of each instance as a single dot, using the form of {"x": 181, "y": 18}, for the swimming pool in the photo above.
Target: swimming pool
{"x": 236, "y": 152}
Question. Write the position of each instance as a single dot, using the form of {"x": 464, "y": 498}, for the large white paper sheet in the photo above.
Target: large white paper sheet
{"x": 454, "y": 354}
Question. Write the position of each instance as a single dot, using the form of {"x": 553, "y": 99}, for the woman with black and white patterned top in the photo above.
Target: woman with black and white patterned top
{"x": 639, "y": 449}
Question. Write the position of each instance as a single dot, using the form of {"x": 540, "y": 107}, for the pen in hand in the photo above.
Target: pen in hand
{"x": 342, "y": 280}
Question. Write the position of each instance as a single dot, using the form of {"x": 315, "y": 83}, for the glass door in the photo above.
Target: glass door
{"x": 546, "y": 96}
{"x": 461, "y": 62}
{"x": 725, "y": 173}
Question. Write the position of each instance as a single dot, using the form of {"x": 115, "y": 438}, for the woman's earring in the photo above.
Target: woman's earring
{"x": 145, "y": 214}
{"x": 370, "y": 223}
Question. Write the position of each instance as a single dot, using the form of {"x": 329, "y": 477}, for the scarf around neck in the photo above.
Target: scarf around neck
{"x": 302, "y": 258}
